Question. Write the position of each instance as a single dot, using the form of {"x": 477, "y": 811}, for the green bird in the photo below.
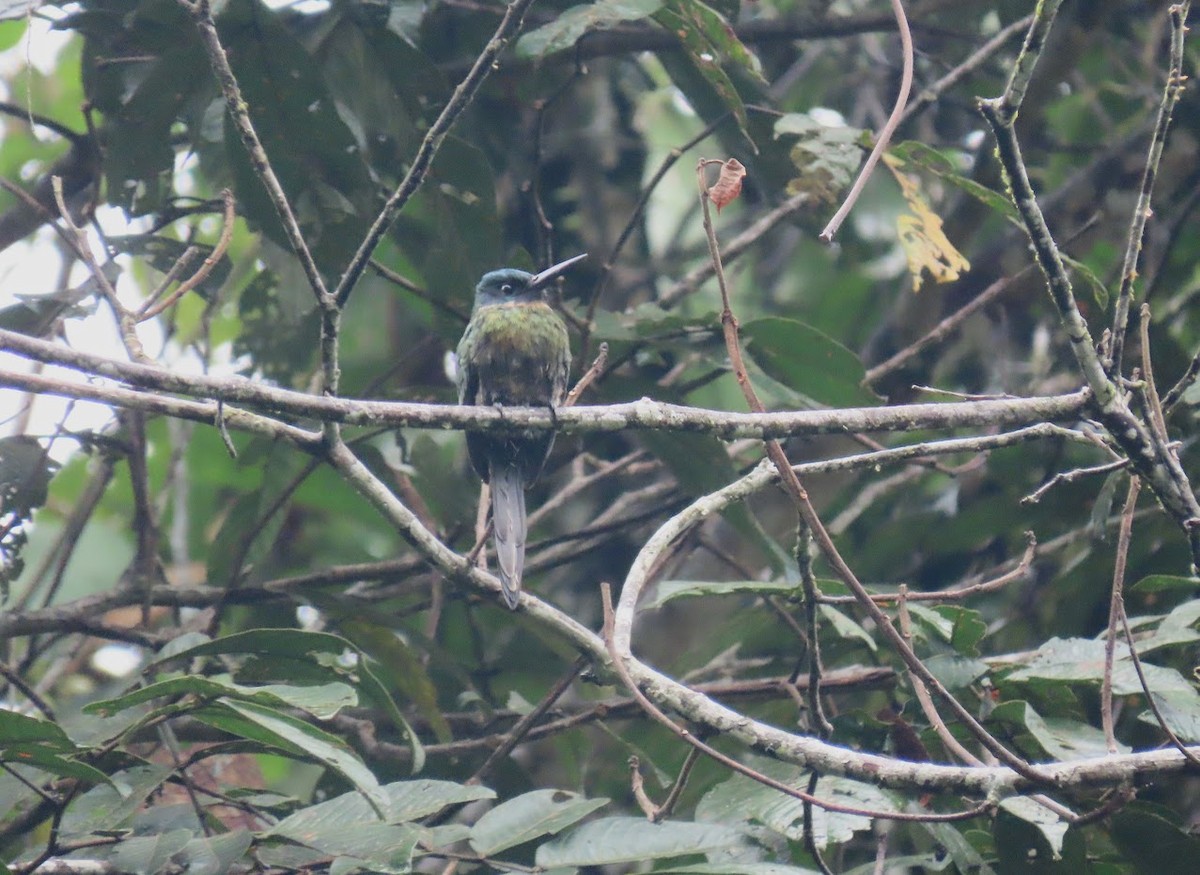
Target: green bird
{"x": 515, "y": 353}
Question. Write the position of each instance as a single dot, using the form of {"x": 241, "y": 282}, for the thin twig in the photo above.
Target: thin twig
{"x": 463, "y": 94}
{"x": 944, "y": 328}
{"x": 590, "y": 376}
{"x": 885, "y": 133}
{"x": 974, "y": 61}
{"x": 521, "y": 727}
{"x": 1116, "y": 603}
{"x": 1143, "y": 210}
{"x": 1175, "y": 740}
{"x": 148, "y": 311}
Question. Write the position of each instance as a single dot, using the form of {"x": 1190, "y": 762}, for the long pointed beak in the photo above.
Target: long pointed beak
{"x": 541, "y": 279}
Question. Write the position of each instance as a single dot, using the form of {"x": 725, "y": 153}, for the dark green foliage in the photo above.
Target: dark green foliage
{"x": 319, "y": 691}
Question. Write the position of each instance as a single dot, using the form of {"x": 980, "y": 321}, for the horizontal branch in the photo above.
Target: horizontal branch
{"x": 644, "y": 414}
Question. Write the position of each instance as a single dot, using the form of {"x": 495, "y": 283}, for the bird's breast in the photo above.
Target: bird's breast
{"x": 520, "y": 354}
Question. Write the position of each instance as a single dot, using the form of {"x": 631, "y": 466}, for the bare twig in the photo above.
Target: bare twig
{"x": 150, "y": 309}
{"x": 974, "y": 61}
{"x": 463, "y": 94}
{"x": 885, "y": 133}
{"x": 590, "y": 376}
{"x": 1116, "y": 606}
{"x": 1143, "y": 210}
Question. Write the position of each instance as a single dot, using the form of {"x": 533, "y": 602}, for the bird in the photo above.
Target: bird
{"x": 515, "y": 352}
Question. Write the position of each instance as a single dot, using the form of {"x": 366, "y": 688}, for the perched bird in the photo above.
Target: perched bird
{"x": 516, "y": 353}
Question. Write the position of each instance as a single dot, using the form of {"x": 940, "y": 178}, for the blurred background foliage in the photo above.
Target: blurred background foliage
{"x": 555, "y": 156}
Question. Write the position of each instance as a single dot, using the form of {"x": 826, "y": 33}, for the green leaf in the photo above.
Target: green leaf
{"x": 323, "y": 701}
{"x": 742, "y": 799}
{"x": 969, "y": 629}
{"x": 566, "y": 30}
{"x": 1035, "y": 843}
{"x": 1152, "y": 842}
{"x": 807, "y": 361}
{"x": 929, "y": 159}
{"x": 669, "y": 590}
{"x": 111, "y": 806}
{"x": 30, "y": 741}
{"x": 25, "y": 473}
{"x": 151, "y": 853}
{"x": 39, "y": 757}
{"x": 709, "y": 47}
{"x": 1060, "y": 737}
{"x": 248, "y": 533}
{"x": 317, "y": 648}
{"x": 162, "y": 253}
{"x": 739, "y": 869}
{"x": 931, "y": 623}
{"x": 1082, "y": 660}
{"x": 634, "y": 840}
{"x": 404, "y": 801}
{"x": 1099, "y": 290}
{"x": 265, "y": 725}
{"x": 373, "y": 847}
{"x": 1180, "y": 711}
{"x": 1165, "y": 583}
{"x": 1052, "y": 827}
{"x": 845, "y": 627}
{"x": 828, "y": 157}
{"x": 404, "y": 668}
{"x": 17, "y": 728}
{"x": 216, "y": 854}
{"x": 527, "y": 817}
{"x": 954, "y": 671}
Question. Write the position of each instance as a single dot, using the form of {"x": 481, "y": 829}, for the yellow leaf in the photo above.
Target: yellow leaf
{"x": 920, "y": 231}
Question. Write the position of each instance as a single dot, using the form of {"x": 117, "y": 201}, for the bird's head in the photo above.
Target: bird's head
{"x": 512, "y": 286}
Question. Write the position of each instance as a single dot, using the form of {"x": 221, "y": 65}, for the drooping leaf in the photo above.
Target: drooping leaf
{"x": 323, "y": 701}
{"x": 529, "y": 816}
{"x": 926, "y": 245}
{"x": 404, "y": 668}
{"x": 1165, "y": 583}
{"x": 669, "y": 590}
{"x": 934, "y": 162}
{"x": 569, "y": 26}
{"x": 807, "y": 361}
{"x": 1153, "y": 840}
{"x": 634, "y": 840}
{"x": 742, "y": 799}
{"x": 728, "y": 186}
{"x": 293, "y": 736}
{"x": 710, "y": 51}
{"x": 317, "y": 648}
{"x": 1029, "y": 841}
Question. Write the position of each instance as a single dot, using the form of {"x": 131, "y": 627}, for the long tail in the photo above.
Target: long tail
{"x": 508, "y": 526}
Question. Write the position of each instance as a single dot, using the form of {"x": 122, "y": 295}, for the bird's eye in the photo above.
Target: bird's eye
{"x": 507, "y": 288}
